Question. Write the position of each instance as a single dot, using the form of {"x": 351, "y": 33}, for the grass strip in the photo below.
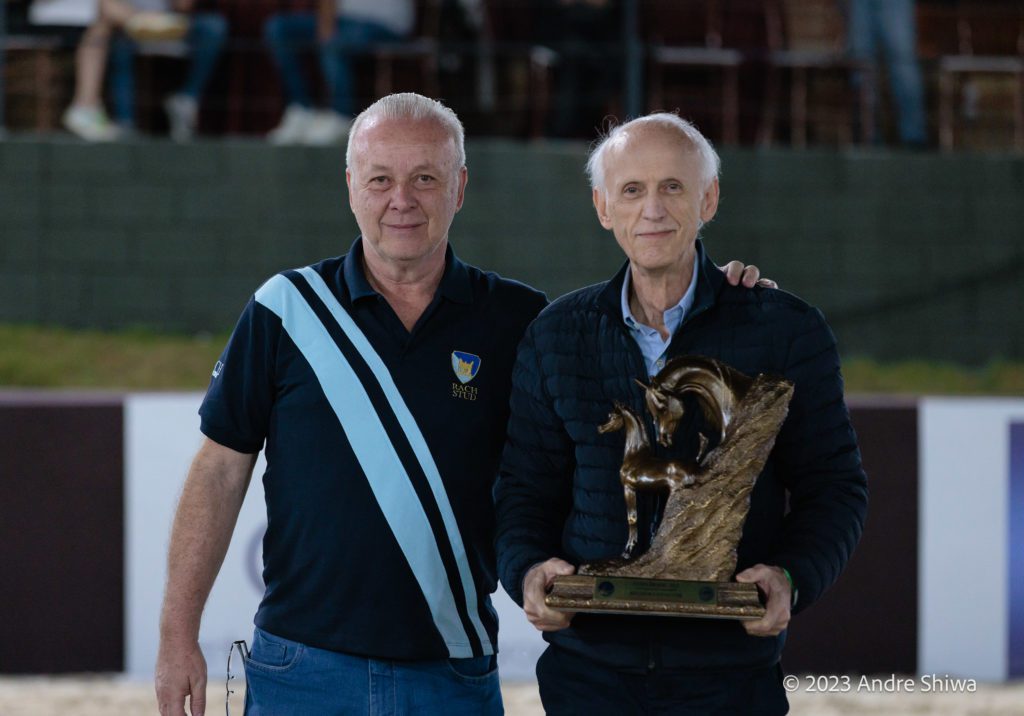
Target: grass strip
{"x": 51, "y": 357}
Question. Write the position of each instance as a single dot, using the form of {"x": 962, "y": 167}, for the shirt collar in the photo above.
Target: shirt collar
{"x": 455, "y": 283}
{"x": 673, "y": 316}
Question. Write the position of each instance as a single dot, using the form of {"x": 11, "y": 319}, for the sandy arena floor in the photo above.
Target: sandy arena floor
{"x": 113, "y": 696}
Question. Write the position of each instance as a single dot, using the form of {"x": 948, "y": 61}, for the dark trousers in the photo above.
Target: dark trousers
{"x": 571, "y": 684}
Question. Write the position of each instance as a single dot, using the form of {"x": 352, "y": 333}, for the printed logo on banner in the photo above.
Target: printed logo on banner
{"x": 254, "y": 559}
{"x": 1015, "y": 660}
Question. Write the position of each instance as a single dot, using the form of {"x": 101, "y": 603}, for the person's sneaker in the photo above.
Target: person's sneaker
{"x": 154, "y": 26}
{"x": 91, "y": 124}
{"x": 327, "y": 127}
{"x": 294, "y": 125}
{"x": 182, "y": 113}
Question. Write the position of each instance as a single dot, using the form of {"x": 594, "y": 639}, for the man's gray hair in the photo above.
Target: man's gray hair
{"x": 409, "y": 105}
{"x": 711, "y": 164}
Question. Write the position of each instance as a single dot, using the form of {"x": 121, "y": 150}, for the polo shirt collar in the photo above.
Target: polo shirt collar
{"x": 455, "y": 285}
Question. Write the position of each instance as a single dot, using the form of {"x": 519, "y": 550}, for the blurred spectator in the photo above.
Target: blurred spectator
{"x": 588, "y": 73}
{"x": 889, "y": 26}
{"x": 338, "y": 30}
{"x": 121, "y": 24}
{"x": 62, "y": 14}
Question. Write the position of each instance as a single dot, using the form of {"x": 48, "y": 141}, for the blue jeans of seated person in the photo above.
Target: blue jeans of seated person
{"x": 889, "y": 27}
{"x": 287, "y": 677}
{"x": 288, "y": 34}
{"x": 205, "y": 39}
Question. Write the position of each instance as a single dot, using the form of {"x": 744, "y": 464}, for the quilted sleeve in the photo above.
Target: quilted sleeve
{"x": 819, "y": 463}
{"x": 534, "y": 487}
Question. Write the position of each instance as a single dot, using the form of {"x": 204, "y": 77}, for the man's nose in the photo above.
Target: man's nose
{"x": 403, "y": 198}
{"x": 654, "y": 207}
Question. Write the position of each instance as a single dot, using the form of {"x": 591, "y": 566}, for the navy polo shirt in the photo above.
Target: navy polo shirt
{"x": 382, "y": 447}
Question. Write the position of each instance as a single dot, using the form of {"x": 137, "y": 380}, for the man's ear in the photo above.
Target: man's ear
{"x": 601, "y": 207}
{"x": 463, "y": 180}
{"x": 348, "y": 183}
{"x": 709, "y": 205}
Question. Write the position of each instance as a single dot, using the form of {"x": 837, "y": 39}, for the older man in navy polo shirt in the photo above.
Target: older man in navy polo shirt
{"x": 377, "y": 383}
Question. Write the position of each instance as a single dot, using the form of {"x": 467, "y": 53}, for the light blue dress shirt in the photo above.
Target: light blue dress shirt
{"x": 651, "y": 344}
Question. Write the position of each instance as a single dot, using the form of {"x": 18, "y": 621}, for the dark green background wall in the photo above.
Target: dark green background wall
{"x": 908, "y": 254}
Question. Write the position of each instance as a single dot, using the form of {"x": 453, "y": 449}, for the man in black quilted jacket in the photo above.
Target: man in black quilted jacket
{"x": 559, "y": 498}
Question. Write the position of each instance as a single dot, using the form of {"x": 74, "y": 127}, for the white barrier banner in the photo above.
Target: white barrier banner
{"x": 161, "y": 438}
{"x": 966, "y": 519}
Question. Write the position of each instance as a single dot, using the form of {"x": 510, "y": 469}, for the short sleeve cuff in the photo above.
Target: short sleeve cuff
{"x": 229, "y": 439}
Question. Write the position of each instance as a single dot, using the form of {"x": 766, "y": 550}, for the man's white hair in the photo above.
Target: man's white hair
{"x": 710, "y": 163}
{"x": 411, "y": 106}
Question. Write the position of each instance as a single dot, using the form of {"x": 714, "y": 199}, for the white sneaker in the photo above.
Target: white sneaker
{"x": 91, "y": 124}
{"x": 155, "y": 26}
{"x": 182, "y": 112}
{"x": 294, "y": 125}
{"x": 328, "y": 127}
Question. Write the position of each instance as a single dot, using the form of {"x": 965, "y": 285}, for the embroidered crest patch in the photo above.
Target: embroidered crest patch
{"x": 465, "y": 365}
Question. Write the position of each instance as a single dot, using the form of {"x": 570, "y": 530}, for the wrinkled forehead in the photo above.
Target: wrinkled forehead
{"x": 388, "y": 139}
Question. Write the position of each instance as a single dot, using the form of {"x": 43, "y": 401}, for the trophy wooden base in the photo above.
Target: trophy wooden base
{"x": 663, "y": 597}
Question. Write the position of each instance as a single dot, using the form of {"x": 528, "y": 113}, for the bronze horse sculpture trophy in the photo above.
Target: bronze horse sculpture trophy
{"x": 689, "y": 566}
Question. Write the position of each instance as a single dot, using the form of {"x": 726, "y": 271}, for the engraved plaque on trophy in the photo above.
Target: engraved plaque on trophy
{"x": 688, "y": 569}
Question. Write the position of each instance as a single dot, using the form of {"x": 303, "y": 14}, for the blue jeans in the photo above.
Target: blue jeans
{"x": 288, "y": 34}
{"x": 286, "y": 677}
{"x": 889, "y": 26}
{"x": 206, "y": 35}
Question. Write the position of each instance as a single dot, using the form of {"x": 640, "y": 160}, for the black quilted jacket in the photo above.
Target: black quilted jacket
{"x": 559, "y": 495}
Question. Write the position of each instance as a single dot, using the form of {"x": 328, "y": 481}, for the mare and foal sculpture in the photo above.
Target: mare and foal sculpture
{"x": 717, "y": 388}
{"x": 694, "y": 550}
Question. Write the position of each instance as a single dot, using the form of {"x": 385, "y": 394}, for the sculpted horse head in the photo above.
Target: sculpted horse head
{"x": 622, "y": 418}
{"x": 667, "y": 409}
{"x": 716, "y": 387}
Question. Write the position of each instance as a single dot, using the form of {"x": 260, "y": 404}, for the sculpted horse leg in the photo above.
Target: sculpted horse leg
{"x": 703, "y": 446}
{"x": 630, "y": 495}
